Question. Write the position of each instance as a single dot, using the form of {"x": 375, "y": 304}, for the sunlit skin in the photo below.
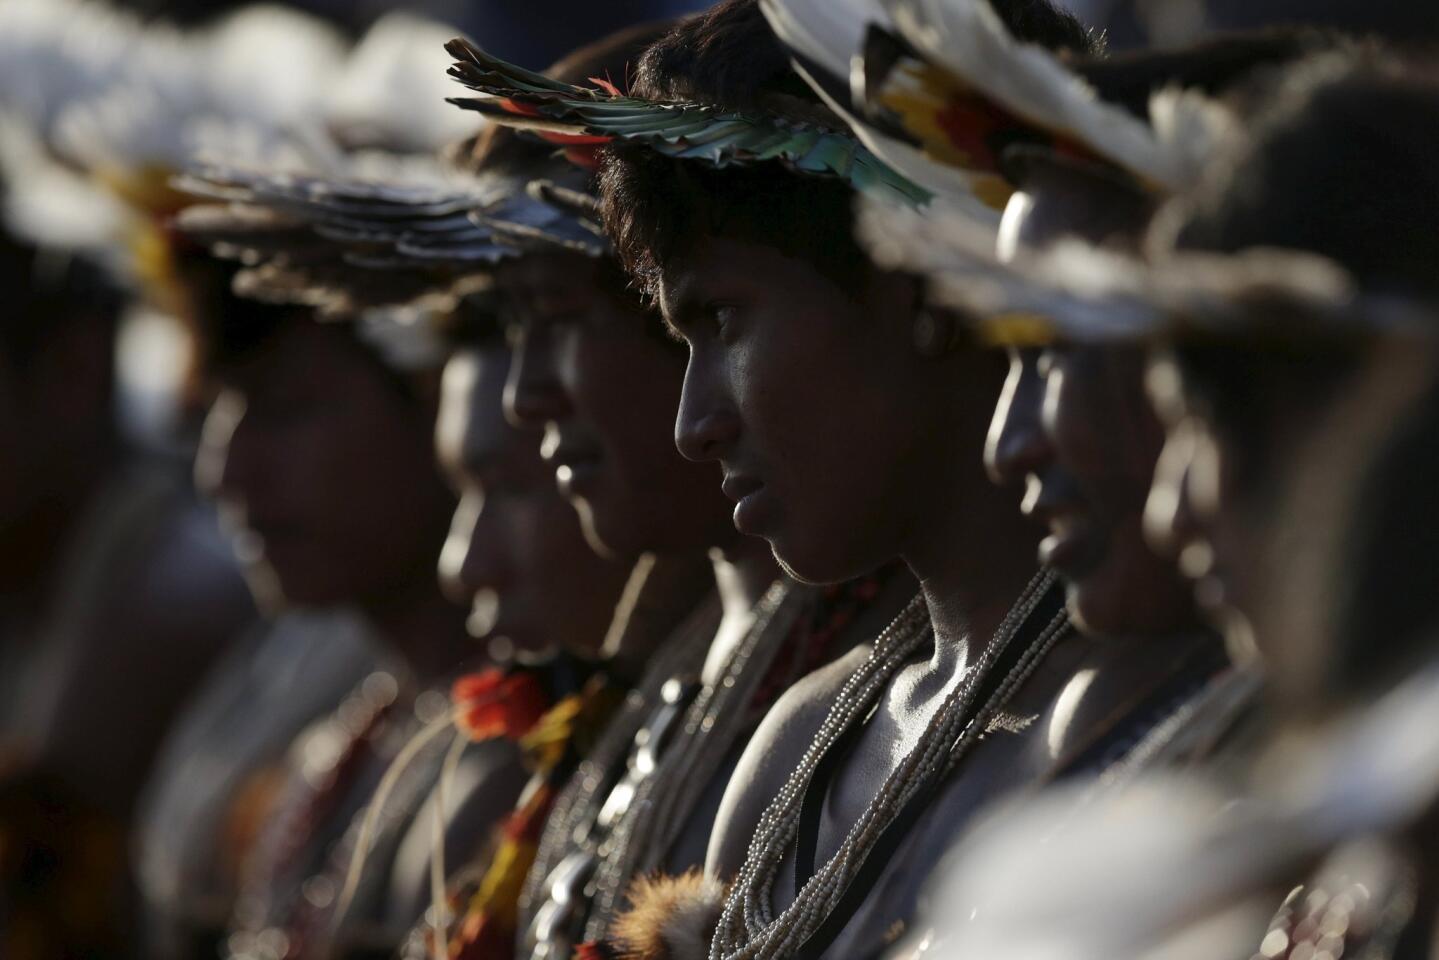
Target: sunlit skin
{"x": 1074, "y": 427}
{"x": 1239, "y": 526}
{"x": 591, "y": 371}
{"x": 324, "y": 460}
{"x": 604, "y": 391}
{"x": 515, "y": 553}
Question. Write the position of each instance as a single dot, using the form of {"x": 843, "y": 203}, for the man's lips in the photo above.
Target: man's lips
{"x": 1071, "y": 546}
{"x": 737, "y": 486}
{"x": 755, "y": 509}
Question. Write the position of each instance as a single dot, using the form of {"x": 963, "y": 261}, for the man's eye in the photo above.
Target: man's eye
{"x": 724, "y": 316}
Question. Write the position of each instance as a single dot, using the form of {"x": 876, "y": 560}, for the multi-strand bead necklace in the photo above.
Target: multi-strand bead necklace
{"x": 747, "y": 927}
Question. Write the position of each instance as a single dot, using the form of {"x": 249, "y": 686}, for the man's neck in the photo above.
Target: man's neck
{"x": 744, "y": 572}
{"x": 973, "y": 561}
{"x": 663, "y": 592}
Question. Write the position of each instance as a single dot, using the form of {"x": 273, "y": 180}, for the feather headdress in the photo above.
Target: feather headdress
{"x": 48, "y": 205}
{"x": 391, "y": 93}
{"x": 580, "y": 119}
{"x": 1073, "y": 290}
{"x": 55, "y": 53}
{"x": 941, "y": 86}
{"x": 948, "y": 79}
{"x": 244, "y": 87}
{"x": 339, "y": 243}
{"x": 827, "y": 41}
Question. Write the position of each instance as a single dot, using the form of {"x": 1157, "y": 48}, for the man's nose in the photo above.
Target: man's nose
{"x": 533, "y": 394}
{"x": 706, "y": 424}
{"x": 469, "y": 561}
{"x": 456, "y": 550}
{"x": 1017, "y": 446}
{"x": 1169, "y": 520}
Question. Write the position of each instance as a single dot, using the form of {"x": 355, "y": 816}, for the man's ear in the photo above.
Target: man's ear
{"x": 896, "y": 294}
{"x": 940, "y": 331}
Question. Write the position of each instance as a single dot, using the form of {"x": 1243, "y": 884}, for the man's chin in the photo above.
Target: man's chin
{"x": 811, "y": 567}
{"x": 605, "y": 537}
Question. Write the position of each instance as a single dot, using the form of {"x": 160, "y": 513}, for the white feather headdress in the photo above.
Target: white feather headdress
{"x": 1076, "y": 291}
{"x": 827, "y": 39}
{"x": 48, "y": 205}
{"x": 393, "y": 90}
{"x": 252, "y": 85}
{"x": 54, "y": 53}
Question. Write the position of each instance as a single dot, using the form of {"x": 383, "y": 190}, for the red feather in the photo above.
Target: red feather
{"x": 606, "y": 86}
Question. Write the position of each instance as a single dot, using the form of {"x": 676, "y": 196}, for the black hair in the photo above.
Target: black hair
{"x": 224, "y": 326}
{"x": 1231, "y": 66}
{"x": 1222, "y": 65}
{"x": 1344, "y": 163}
{"x": 656, "y": 209}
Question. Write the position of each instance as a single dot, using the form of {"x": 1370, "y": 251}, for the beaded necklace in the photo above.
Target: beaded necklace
{"x": 747, "y": 927}
{"x": 680, "y": 773}
{"x": 362, "y": 730}
{"x": 483, "y": 898}
{"x": 1365, "y": 914}
{"x": 794, "y": 632}
{"x": 573, "y": 818}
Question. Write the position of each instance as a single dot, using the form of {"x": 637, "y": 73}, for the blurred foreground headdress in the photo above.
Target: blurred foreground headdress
{"x": 944, "y": 90}
{"x": 423, "y": 231}
{"x": 124, "y": 105}
{"x": 1290, "y": 236}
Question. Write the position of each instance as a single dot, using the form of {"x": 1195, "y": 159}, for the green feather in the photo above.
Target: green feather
{"x": 690, "y": 131}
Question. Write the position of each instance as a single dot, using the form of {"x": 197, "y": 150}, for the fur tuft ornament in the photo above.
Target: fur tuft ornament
{"x": 670, "y": 918}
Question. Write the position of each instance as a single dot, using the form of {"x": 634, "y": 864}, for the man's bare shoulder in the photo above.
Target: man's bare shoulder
{"x": 776, "y": 747}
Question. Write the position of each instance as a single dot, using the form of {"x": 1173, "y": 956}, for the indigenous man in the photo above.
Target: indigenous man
{"x": 347, "y": 540}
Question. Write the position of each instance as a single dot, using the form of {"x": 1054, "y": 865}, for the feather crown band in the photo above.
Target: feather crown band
{"x": 582, "y": 119}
